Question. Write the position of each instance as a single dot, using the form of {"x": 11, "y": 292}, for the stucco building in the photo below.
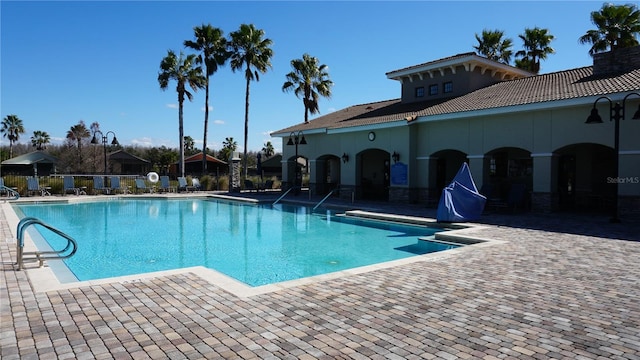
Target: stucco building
{"x": 511, "y": 126}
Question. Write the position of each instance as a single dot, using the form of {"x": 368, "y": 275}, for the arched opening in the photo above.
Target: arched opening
{"x": 373, "y": 174}
{"x": 506, "y": 169}
{"x": 582, "y": 173}
{"x": 298, "y": 171}
{"x": 328, "y": 173}
{"x": 446, "y": 163}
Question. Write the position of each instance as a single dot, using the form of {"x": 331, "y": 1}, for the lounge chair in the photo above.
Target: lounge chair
{"x": 33, "y": 187}
{"x": 114, "y": 182}
{"x": 195, "y": 183}
{"x": 268, "y": 185}
{"x": 165, "y": 184}
{"x": 69, "y": 185}
{"x": 98, "y": 185}
{"x": 141, "y": 185}
{"x": 248, "y": 185}
{"x": 182, "y": 184}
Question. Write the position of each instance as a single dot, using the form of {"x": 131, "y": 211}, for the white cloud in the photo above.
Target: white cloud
{"x": 172, "y": 106}
{"x": 218, "y": 122}
{"x": 210, "y": 108}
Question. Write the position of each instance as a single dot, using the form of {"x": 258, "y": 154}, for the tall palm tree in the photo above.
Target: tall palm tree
{"x": 536, "y": 47}
{"x": 185, "y": 72}
{"x": 268, "y": 150}
{"x": 77, "y": 133}
{"x": 308, "y": 80}
{"x": 618, "y": 27}
{"x": 252, "y": 52}
{"x": 12, "y": 128}
{"x": 494, "y": 46}
{"x": 213, "y": 47}
{"x": 40, "y": 139}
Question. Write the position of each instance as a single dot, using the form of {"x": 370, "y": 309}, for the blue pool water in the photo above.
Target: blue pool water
{"x": 254, "y": 244}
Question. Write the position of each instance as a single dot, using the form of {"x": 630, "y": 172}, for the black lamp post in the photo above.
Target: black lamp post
{"x": 295, "y": 139}
{"x": 94, "y": 140}
{"x": 616, "y": 113}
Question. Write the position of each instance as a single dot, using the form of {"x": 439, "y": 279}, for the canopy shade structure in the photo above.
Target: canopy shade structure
{"x": 460, "y": 200}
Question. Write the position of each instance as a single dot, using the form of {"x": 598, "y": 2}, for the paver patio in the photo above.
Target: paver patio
{"x": 559, "y": 286}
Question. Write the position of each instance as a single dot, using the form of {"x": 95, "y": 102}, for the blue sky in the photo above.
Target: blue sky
{"x": 62, "y": 62}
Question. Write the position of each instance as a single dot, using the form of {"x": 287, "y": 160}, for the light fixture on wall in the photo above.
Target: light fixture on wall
{"x": 395, "y": 157}
{"x": 345, "y": 158}
{"x": 616, "y": 113}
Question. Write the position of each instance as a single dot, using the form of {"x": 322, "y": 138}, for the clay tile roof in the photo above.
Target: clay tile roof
{"x": 562, "y": 85}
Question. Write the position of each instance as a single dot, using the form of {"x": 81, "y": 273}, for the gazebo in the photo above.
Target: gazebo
{"x": 31, "y": 164}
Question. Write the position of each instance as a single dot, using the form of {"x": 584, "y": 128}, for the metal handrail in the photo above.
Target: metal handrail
{"x": 16, "y": 195}
{"x": 331, "y": 193}
{"x": 285, "y": 194}
{"x": 41, "y": 256}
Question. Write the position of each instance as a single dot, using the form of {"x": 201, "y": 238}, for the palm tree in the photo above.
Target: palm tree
{"x": 77, "y": 133}
{"x": 228, "y": 147}
{"x": 618, "y": 27}
{"x": 492, "y": 45}
{"x": 11, "y": 129}
{"x": 213, "y": 47}
{"x": 189, "y": 145}
{"x": 308, "y": 80}
{"x": 268, "y": 150}
{"x": 40, "y": 139}
{"x": 536, "y": 47}
{"x": 183, "y": 70}
{"x": 249, "y": 50}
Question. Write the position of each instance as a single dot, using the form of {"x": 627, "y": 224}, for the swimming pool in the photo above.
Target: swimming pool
{"x": 255, "y": 244}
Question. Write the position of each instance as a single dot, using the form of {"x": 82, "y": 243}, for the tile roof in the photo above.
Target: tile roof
{"x": 562, "y": 85}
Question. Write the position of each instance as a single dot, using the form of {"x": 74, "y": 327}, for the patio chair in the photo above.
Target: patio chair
{"x": 141, "y": 185}
{"x": 114, "y": 183}
{"x": 165, "y": 184}
{"x": 195, "y": 183}
{"x": 182, "y": 184}
{"x": 69, "y": 185}
{"x": 98, "y": 185}
{"x": 33, "y": 187}
{"x": 248, "y": 185}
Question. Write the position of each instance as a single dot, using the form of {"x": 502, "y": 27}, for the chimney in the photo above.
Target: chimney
{"x": 617, "y": 61}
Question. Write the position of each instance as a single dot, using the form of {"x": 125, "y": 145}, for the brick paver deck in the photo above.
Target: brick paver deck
{"x": 558, "y": 287}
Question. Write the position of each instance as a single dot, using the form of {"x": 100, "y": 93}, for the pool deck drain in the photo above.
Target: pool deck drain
{"x": 555, "y": 286}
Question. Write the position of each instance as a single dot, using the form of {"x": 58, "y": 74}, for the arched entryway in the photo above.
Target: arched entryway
{"x": 297, "y": 171}
{"x": 582, "y": 173}
{"x": 445, "y": 165}
{"x": 327, "y": 172}
{"x": 506, "y": 169}
{"x": 373, "y": 166}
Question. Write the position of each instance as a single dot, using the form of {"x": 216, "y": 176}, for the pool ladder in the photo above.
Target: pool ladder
{"x": 12, "y": 194}
{"x": 41, "y": 256}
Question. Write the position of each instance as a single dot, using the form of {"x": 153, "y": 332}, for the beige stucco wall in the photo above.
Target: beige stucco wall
{"x": 540, "y": 132}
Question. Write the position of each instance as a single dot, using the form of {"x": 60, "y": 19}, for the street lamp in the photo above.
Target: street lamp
{"x": 95, "y": 141}
{"x": 616, "y": 113}
{"x": 295, "y": 139}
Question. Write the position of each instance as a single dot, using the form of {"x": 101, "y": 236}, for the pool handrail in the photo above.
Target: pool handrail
{"x": 285, "y": 194}
{"x": 13, "y": 192}
{"x": 331, "y": 193}
{"x": 41, "y": 256}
